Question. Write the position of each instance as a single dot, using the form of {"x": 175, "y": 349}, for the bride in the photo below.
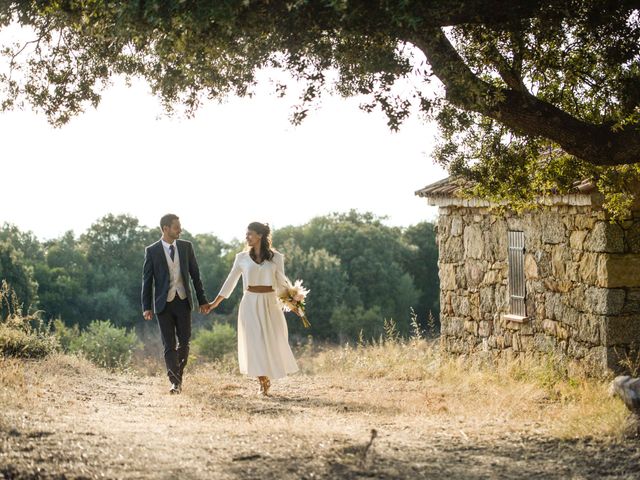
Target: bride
{"x": 263, "y": 347}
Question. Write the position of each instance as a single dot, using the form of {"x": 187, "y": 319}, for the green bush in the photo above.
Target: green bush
{"x": 352, "y": 323}
{"x": 215, "y": 343}
{"x": 21, "y": 335}
{"x": 105, "y": 345}
{"x": 65, "y": 334}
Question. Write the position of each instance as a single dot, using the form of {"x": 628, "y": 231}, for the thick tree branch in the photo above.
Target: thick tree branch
{"x": 506, "y": 71}
{"x": 485, "y": 12}
{"x": 518, "y": 52}
{"x": 523, "y": 112}
{"x": 444, "y": 13}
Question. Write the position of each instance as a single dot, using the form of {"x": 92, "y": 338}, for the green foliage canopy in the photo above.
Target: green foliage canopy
{"x": 531, "y": 95}
{"x": 356, "y": 268}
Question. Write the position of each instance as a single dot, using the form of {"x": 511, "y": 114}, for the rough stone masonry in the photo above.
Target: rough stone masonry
{"x": 582, "y": 280}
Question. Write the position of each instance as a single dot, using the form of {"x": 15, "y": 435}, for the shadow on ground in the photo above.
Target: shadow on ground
{"x": 520, "y": 458}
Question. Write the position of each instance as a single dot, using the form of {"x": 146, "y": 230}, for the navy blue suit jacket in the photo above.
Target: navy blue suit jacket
{"x": 155, "y": 276}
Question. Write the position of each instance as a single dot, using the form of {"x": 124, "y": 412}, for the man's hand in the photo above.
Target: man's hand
{"x": 147, "y": 314}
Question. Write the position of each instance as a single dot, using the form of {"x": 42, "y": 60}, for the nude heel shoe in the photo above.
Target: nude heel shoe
{"x": 265, "y": 384}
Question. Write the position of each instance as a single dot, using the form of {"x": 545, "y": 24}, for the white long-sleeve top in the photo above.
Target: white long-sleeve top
{"x": 267, "y": 273}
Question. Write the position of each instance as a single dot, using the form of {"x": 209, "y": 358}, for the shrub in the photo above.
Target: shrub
{"x": 16, "y": 341}
{"x": 106, "y": 345}
{"x": 65, "y": 334}
{"x": 350, "y": 323}
{"x": 26, "y": 336}
{"x": 215, "y": 343}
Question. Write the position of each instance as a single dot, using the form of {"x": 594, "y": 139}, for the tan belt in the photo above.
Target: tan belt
{"x": 260, "y": 289}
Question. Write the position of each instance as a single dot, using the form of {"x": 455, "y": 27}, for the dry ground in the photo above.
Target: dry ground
{"x": 63, "y": 418}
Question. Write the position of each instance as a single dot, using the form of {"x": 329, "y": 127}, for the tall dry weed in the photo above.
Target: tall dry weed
{"x": 23, "y": 334}
{"x": 629, "y": 359}
{"x": 567, "y": 398}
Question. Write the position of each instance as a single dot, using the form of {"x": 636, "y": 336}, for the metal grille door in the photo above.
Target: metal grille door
{"x": 516, "y": 273}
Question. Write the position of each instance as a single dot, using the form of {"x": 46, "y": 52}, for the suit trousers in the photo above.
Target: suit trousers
{"x": 175, "y": 323}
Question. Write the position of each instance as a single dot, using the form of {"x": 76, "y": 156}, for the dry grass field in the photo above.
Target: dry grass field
{"x": 380, "y": 411}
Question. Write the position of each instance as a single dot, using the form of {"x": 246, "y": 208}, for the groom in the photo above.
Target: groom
{"x": 168, "y": 264}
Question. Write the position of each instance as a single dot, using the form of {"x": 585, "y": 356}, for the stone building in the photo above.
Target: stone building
{"x": 560, "y": 278}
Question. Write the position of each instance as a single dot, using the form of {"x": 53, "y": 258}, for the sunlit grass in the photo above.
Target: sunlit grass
{"x": 566, "y": 399}
{"x": 391, "y": 379}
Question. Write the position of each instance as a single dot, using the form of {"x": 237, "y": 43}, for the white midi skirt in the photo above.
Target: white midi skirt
{"x": 263, "y": 346}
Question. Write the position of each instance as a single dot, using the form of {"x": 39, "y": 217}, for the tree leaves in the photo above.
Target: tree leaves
{"x": 553, "y": 75}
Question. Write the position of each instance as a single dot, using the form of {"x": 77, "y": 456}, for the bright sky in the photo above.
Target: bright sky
{"x": 232, "y": 164}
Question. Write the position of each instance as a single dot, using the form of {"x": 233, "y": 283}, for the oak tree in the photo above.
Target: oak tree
{"x": 529, "y": 94}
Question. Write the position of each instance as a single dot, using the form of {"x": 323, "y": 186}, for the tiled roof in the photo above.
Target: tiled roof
{"x": 449, "y": 187}
{"x": 446, "y": 187}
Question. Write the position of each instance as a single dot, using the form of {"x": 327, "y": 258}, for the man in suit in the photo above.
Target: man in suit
{"x": 168, "y": 264}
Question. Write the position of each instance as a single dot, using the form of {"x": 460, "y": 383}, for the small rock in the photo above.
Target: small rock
{"x": 628, "y": 389}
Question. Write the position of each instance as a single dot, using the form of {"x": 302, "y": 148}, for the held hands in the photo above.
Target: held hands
{"x": 147, "y": 314}
{"x": 207, "y": 307}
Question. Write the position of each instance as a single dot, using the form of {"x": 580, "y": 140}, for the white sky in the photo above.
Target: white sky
{"x": 232, "y": 164}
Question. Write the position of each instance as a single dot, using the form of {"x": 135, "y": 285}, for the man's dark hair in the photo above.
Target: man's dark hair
{"x": 167, "y": 220}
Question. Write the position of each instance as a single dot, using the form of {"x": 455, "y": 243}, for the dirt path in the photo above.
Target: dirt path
{"x": 62, "y": 420}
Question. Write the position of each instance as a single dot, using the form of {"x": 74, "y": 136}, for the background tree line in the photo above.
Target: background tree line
{"x": 359, "y": 270}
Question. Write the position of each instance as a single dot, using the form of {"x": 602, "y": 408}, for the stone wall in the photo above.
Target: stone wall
{"x": 582, "y": 283}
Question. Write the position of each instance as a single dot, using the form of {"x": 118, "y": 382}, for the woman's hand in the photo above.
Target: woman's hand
{"x": 206, "y": 308}
{"x": 214, "y": 304}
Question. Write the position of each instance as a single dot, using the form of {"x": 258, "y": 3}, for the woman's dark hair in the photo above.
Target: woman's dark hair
{"x": 265, "y": 242}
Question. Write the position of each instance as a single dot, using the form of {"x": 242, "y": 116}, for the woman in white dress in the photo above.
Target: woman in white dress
{"x": 263, "y": 347}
